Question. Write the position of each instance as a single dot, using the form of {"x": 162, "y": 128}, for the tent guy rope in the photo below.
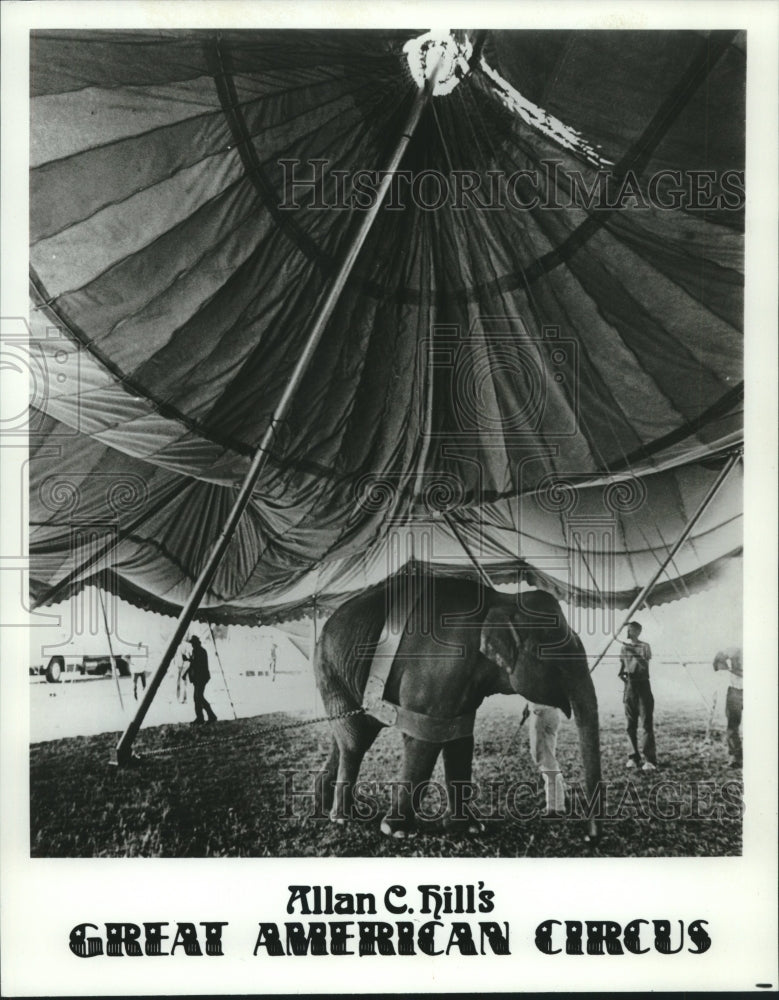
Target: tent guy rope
{"x": 703, "y": 506}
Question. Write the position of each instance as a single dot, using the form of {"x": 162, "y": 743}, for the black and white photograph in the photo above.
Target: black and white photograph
{"x": 389, "y": 460}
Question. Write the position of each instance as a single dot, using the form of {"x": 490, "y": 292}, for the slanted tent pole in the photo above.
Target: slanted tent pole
{"x": 314, "y": 638}
{"x": 715, "y": 487}
{"x": 114, "y": 665}
{"x": 124, "y": 747}
{"x": 221, "y": 668}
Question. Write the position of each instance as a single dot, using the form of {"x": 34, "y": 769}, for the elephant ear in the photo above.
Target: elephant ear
{"x": 507, "y": 640}
{"x": 497, "y": 642}
{"x": 543, "y": 685}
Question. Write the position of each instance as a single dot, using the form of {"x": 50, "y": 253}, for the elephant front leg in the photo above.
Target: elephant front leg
{"x": 419, "y": 759}
{"x": 458, "y": 762}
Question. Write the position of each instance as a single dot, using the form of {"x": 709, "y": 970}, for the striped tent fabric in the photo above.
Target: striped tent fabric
{"x": 550, "y": 298}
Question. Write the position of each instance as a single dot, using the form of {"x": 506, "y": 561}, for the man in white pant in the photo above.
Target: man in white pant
{"x": 544, "y": 723}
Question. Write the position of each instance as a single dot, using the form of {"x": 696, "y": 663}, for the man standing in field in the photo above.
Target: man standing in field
{"x": 199, "y": 674}
{"x": 730, "y": 660}
{"x": 543, "y": 747}
{"x": 637, "y": 698}
{"x": 138, "y": 670}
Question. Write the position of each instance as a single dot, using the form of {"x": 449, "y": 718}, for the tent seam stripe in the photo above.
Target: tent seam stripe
{"x": 641, "y": 150}
{"x": 720, "y": 408}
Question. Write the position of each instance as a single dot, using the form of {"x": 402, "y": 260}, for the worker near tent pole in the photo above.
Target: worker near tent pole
{"x": 637, "y": 697}
{"x": 198, "y": 672}
{"x": 181, "y": 680}
{"x": 730, "y": 661}
{"x": 138, "y": 670}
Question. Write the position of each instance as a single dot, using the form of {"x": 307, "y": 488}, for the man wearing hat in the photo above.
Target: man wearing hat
{"x": 637, "y": 698}
{"x": 197, "y": 670}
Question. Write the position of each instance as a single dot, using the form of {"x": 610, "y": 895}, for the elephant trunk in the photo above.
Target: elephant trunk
{"x": 584, "y": 702}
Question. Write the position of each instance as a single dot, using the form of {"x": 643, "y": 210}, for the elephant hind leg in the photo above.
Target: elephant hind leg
{"x": 353, "y": 738}
{"x": 419, "y": 759}
{"x": 324, "y": 783}
{"x": 458, "y": 762}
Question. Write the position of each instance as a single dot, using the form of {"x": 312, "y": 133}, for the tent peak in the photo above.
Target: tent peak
{"x": 441, "y": 51}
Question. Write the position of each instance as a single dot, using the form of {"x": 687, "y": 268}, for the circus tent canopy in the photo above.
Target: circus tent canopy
{"x": 480, "y": 354}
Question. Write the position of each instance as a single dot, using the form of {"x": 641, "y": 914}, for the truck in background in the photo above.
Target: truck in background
{"x": 74, "y": 665}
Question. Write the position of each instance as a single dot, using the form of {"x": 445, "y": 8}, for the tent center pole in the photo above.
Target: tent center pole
{"x": 124, "y": 754}
{"x": 645, "y": 591}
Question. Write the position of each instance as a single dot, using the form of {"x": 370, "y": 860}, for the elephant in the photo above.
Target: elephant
{"x": 457, "y": 641}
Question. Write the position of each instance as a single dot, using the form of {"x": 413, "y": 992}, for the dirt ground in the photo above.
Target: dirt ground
{"x": 242, "y": 788}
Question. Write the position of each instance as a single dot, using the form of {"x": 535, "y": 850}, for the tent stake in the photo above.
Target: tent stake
{"x": 702, "y": 507}
{"x": 124, "y": 747}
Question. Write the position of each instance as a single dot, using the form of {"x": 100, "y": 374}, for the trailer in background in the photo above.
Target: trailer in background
{"x": 72, "y": 666}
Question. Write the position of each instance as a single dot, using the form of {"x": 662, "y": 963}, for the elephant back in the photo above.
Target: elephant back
{"x": 434, "y": 608}
{"x": 345, "y": 649}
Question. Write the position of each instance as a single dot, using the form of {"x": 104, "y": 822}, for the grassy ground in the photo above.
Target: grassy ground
{"x": 218, "y": 791}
